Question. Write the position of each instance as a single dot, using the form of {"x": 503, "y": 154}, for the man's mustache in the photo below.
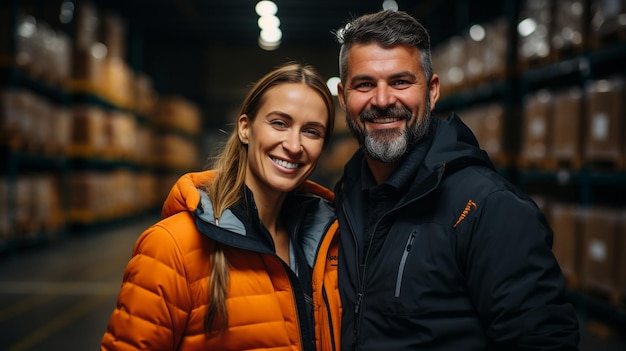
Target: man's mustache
{"x": 393, "y": 112}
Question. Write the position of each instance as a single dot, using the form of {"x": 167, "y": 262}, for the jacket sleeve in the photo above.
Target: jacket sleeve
{"x": 514, "y": 279}
{"x": 154, "y": 300}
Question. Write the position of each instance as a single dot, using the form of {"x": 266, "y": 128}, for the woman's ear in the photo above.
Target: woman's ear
{"x": 243, "y": 128}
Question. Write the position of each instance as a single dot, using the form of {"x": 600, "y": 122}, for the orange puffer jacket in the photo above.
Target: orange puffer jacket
{"x": 164, "y": 294}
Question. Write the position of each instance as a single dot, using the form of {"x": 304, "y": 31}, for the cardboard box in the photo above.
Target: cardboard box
{"x": 10, "y": 125}
{"x": 495, "y": 49}
{"x": 605, "y": 120}
{"x": 565, "y": 223}
{"x": 602, "y": 246}
{"x": 88, "y": 69}
{"x": 89, "y": 136}
{"x": 473, "y": 118}
{"x": 491, "y": 136}
{"x": 121, "y": 134}
{"x": 537, "y": 117}
{"x": 567, "y": 125}
{"x": 178, "y": 113}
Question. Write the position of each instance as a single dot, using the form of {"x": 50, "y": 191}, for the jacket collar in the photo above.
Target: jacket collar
{"x": 308, "y": 217}
{"x": 309, "y": 214}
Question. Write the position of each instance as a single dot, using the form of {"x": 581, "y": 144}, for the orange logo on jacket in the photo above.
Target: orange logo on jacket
{"x": 470, "y": 205}
{"x": 332, "y": 259}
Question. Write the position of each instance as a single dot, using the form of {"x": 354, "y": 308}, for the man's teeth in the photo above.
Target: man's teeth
{"x": 385, "y": 120}
{"x": 285, "y": 164}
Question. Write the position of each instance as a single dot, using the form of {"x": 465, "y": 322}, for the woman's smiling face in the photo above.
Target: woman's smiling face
{"x": 285, "y": 139}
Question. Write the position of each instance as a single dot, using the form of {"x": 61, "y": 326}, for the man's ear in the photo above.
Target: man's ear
{"x": 243, "y": 128}
{"x": 434, "y": 91}
{"x": 340, "y": 96}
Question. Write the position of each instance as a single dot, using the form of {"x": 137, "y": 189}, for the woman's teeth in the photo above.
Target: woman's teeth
{"x": 285, "y": 164}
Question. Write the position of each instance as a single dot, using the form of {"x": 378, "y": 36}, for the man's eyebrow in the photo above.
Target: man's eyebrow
{"x": 403, "y": 74}
{"x": 360, "y": 78}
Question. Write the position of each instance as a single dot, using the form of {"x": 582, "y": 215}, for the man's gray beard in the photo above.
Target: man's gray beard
{"x": 388, "y": 149}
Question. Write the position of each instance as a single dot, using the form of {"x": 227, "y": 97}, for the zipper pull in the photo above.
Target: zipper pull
{"x": 359, "y": 298}
{"x": 409, "y": 244}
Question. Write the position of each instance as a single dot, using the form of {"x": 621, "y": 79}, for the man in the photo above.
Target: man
{"x": 438, "y": 252}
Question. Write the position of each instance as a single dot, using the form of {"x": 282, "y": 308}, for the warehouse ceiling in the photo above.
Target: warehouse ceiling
{"x": 178, "y": 22}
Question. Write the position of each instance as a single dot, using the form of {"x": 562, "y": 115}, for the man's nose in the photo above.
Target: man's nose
{"x": 383, "y": 96}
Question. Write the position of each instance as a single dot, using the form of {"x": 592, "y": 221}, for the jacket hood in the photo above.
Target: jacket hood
{"x": 184, "y": 195}
{"x": 455, "y": 146}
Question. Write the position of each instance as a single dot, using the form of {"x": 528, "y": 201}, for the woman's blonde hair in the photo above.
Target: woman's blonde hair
{"x": 227, "y": 188}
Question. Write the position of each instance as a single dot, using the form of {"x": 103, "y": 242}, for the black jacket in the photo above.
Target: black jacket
{"x": 447, "y": 255}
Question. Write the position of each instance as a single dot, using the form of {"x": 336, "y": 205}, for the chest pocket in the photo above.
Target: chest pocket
{"x": 425, "y": 272}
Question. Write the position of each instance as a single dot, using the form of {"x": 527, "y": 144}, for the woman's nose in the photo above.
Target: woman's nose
{"x": 292, "y": 143}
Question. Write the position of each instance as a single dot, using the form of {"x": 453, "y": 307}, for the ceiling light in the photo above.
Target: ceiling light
{"x": 331, "y": 83}
{"x": 477, "y": 32}
{"x": 266, "y": 8}
{"x": 268, "y": 46}
{"x": 266, "y": 22}
{"x": 390, "y": 5}
{"x": 526, "y": 27}
{"x": 271, "y": 35}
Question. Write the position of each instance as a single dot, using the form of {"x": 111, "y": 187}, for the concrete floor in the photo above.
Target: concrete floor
{"x": 60, "y": 296}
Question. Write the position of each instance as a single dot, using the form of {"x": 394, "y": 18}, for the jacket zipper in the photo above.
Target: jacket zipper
{"x": 405, "y": 254}
{"x": 302, "y": 326}
{"x": 361, "y": 292}
{"x": 330, "y": 318}
{"x": 359, "y": 295}
{"x": 361, "y": 283}
{"x": 293, "y": 280}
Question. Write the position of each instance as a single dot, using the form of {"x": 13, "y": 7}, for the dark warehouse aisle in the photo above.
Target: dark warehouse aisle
{"x": 59, "y": 297}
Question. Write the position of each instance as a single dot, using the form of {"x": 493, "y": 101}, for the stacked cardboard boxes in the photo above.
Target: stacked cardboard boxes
{"x": 79, "y": 128}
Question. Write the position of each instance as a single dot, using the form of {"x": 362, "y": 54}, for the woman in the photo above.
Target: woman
{"x": 247, "y": 261}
